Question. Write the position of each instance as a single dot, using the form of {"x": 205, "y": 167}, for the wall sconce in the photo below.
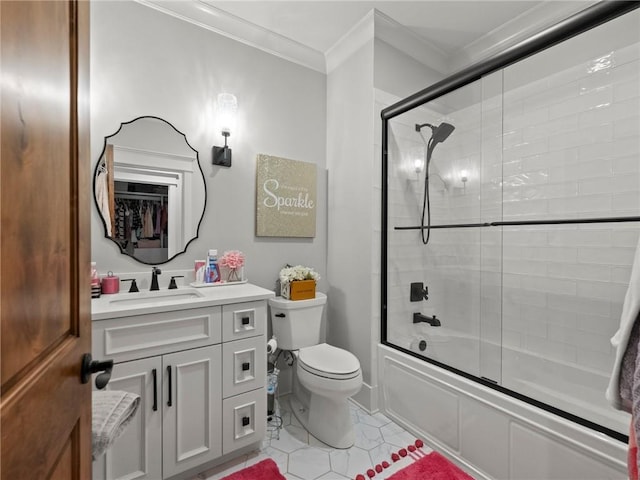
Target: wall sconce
{"x": 418, "y": 165}
{"x": 464, "y": 176}
{"x": 226, "y": 111}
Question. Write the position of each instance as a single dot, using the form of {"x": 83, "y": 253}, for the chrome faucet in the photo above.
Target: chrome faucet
{"x": 419, "y": 318}
{"x": 155, "y": 271}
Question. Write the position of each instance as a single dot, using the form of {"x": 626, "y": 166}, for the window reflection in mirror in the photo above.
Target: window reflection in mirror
{"x": 150, "y": 190}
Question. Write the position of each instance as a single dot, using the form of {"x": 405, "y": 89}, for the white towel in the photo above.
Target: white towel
{"x": 630, "y": 311}
{"x": 112, "y": 412}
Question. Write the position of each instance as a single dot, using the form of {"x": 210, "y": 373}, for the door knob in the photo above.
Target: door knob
{"x": 90, "y": 366}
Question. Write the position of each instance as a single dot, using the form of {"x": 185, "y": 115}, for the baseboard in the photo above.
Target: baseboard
{"x": 219, "y": 464}
{"x": 367, "y": 398}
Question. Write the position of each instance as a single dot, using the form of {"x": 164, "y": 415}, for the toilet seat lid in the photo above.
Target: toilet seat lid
{"x": 327, "y": 360}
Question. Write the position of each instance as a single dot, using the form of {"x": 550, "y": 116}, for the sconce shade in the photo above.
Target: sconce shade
{"x": 226, "y": 119}
{"x": 227, "y": 108}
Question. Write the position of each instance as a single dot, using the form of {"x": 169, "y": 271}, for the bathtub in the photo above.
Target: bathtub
{"x": 490, "y": 434}
{"x": 578, "y": 391}
{"x": 443, "y": 345}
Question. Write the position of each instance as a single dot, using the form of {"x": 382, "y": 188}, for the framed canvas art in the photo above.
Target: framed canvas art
{"x": 285, "y": 197}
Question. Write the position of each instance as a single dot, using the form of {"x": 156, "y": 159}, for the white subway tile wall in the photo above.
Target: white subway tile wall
{"x": 565, "y": 145}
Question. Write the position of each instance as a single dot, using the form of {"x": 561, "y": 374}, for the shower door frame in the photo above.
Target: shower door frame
{"x": 581, "y": 22}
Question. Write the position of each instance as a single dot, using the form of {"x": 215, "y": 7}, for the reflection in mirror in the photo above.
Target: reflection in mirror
{"x": 150, "y": 190}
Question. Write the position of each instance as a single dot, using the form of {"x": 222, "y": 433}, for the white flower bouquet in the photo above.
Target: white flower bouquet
{"x": 289, "y": 275}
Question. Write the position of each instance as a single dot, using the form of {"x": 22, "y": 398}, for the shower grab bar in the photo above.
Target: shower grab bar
{"x": 529, "y": 222}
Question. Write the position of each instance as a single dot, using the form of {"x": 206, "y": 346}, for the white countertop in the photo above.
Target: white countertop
{"x": 121, "y": 304}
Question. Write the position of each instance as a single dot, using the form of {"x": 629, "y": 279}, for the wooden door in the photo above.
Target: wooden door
{"x": 137, "y": 453}
{"x": 45, "y": 323}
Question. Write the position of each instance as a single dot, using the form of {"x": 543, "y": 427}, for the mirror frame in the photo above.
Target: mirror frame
{"x": 95, "y": 200}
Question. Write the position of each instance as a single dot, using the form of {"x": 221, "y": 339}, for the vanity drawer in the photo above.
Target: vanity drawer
{"x": 243, "y": 420}
{"x": 129, "y": 338}
{"x": 242, "y": 320}
{"x": 244, "y": 365}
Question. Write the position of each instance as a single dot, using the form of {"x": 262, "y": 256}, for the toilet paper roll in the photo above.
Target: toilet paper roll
{"x": 272, "y": 345}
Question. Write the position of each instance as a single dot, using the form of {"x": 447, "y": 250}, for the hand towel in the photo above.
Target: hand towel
{"x": 623, "y": 391}
{"x": 630, "y": 311}
{"x": 112, "y": 412}
{"x": 632, "y": 454}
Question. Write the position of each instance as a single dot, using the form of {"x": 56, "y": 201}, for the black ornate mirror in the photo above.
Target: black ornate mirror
{"x": 150, "y": 190}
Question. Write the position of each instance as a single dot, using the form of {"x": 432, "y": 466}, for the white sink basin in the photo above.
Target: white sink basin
{"x": 161, "y": 296}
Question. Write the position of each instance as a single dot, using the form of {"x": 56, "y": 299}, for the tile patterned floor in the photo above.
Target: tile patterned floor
{"x": 300, "y": 456}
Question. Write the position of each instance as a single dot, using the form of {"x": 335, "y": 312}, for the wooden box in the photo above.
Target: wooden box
{"x": 299, "y": 290}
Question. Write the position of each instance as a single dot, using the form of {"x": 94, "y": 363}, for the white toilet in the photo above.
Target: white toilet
{"x": 324, "y": 377}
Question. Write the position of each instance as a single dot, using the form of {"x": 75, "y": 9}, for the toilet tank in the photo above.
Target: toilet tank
{"x": 296, "y": 323}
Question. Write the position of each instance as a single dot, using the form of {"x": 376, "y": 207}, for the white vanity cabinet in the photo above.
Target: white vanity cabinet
{"x": 244, "y": 354}
{"x": 200, "y": 374}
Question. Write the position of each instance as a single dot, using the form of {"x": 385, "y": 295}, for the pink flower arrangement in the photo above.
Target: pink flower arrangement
{"x": 232, "y": 260}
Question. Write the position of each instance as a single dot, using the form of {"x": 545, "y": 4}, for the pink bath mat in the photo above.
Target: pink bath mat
{"x": 264, "y": 470}
{"x": 432, "y": 467}
{"x": 413, "y": 463}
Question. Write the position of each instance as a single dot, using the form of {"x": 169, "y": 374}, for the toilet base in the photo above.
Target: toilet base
{"x": 327, "y": 420}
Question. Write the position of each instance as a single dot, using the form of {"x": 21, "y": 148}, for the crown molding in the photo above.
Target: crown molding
{"x": 357, "y": 36}
{"x": 400, "y": 37}
{"x": 516, "y": 30}
{"x": 204, "y": 15}
{"x": 373, "y": 25}
{"x": 378, "y": 25}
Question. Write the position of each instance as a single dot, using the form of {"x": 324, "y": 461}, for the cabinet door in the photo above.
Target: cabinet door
{"x": 192, "y": 403}
{"x": 136, "y": 454}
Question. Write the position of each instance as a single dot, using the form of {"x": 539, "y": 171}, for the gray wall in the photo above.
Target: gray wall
{"x": 397, "y": 73}
{"x": 354, "y": 166}
{"x": 351, "y": 222}
{"x": 144, "y": 62}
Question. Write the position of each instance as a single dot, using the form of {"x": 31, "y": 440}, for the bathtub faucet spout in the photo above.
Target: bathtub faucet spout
{"x": 419, "y": 318}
